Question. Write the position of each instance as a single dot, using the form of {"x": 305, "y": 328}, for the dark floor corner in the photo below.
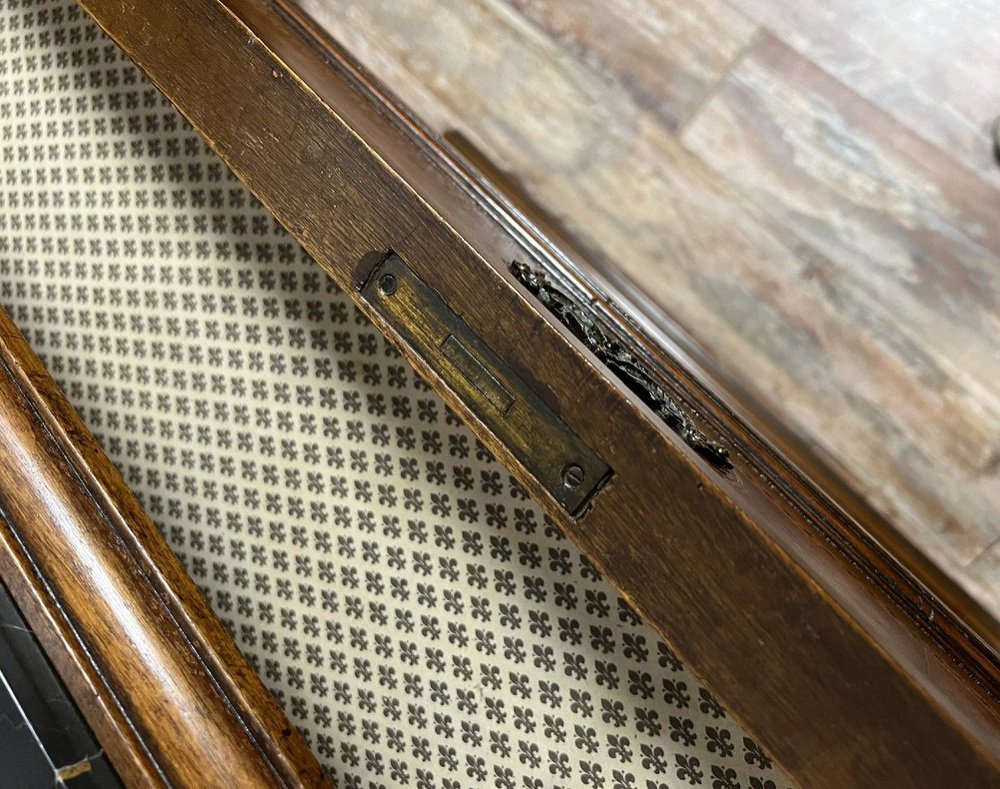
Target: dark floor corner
{"x": 44, "y": 740}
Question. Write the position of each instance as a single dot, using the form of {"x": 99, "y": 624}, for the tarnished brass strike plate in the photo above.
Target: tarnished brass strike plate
{"x": 569, "y": 469}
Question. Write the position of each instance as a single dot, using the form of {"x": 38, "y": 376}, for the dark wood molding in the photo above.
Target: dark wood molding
{"x": 169, "y": 696}
{"x": 493, "y": 214}
{"x": 850, "y": 662}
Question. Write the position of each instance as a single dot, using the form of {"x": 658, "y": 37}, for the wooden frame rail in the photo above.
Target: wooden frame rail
{"x": 169, "y": 696}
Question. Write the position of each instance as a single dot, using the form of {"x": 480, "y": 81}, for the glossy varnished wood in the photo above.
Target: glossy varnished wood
{"x": 766, "y": 587}
{"x": 167, "y": 693}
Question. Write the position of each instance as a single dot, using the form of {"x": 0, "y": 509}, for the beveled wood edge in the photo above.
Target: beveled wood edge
{"x": 93, "y": 576}
{"x": 809, "y": 643}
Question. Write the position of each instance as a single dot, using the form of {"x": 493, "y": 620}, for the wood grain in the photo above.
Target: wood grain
{"x": 808, "y": 639}
{"x": 893, "y": 310}
{"x": 932, "y": 64}
{"x": 169, "y": 696}
{"x": 666, "y": 56}
{"x": 861, "y": 315}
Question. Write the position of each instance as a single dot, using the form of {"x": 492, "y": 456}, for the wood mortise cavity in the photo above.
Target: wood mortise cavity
{"x": 624, "y": 363}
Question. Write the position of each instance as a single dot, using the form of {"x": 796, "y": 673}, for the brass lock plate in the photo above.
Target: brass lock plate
{"x": 568, "y": 469}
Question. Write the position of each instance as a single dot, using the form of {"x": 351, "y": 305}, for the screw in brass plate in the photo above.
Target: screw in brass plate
{"x": 572, "y": 476}
{"x": 387, "y": 284}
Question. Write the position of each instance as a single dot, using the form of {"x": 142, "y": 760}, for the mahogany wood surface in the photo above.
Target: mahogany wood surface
{"x": 169, "y": 696}
{"x": 847, "y": 669}
{"x": 805, "y": 192}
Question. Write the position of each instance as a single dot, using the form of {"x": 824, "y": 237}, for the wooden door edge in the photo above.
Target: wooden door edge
{"x": 459, "y": 182}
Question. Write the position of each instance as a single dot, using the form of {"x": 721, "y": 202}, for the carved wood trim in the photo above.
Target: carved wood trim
{"x": 168, "y": 694}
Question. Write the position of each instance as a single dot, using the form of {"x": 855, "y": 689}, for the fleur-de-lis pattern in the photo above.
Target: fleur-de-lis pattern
{"x": 416, "y": 615}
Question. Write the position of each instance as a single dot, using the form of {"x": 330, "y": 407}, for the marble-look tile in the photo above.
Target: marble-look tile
{"x": 933, "y": 65}
{"x": 44, "y": 740}
{"x": 24, "y": 761}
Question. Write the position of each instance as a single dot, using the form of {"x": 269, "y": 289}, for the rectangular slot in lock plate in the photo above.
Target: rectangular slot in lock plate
{"x": 569, "y": 469}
